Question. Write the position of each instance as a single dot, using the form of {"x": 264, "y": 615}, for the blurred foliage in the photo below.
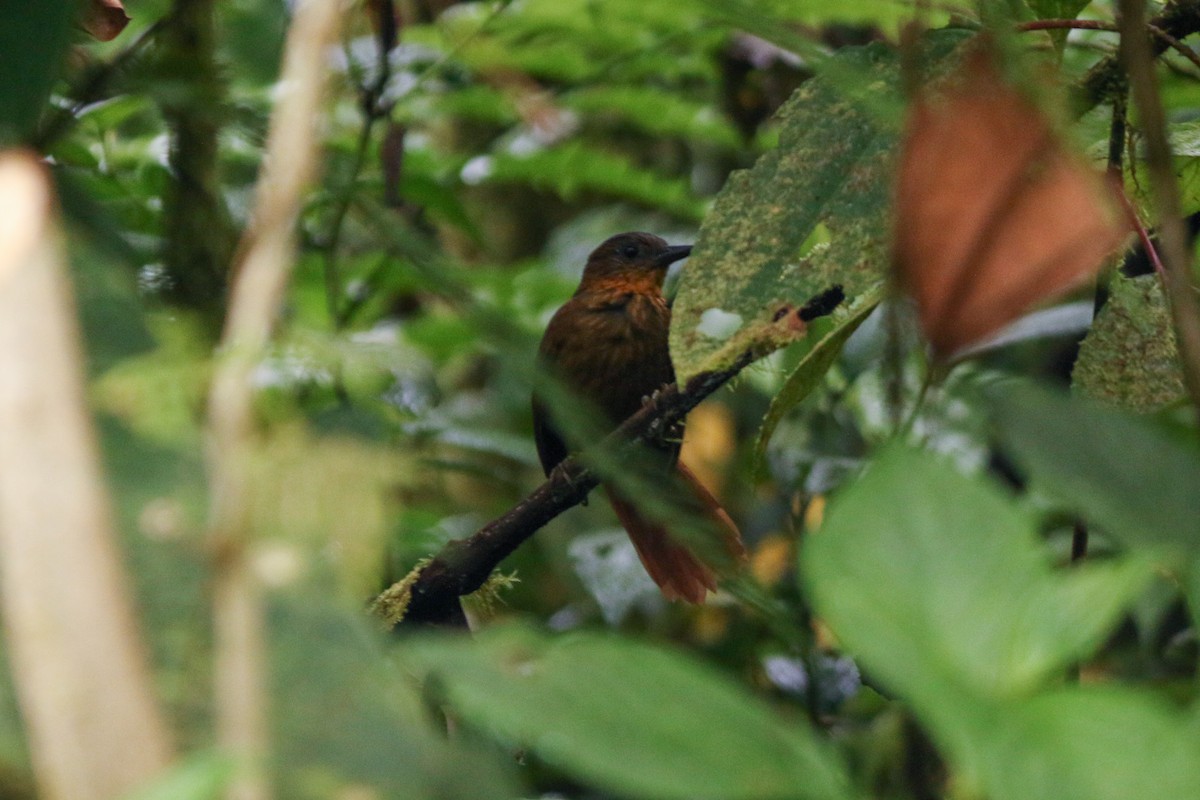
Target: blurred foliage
{"x": 922, "y": 641}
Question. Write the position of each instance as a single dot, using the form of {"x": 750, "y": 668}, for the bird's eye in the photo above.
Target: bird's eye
{"x": 630, "y": 251}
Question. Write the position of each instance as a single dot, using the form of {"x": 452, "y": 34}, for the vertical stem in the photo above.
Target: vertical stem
{"x": 262, "y": 271}
{"x": 197, "y": 232}
{"x": 373, "y": 110}
{"x": 1177, "y": 277}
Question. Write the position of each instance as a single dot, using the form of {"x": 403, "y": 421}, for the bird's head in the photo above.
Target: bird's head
{"x": 635, "y": 256}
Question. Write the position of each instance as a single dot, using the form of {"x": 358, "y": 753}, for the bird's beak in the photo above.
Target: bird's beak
{"x": 673, "y": 254}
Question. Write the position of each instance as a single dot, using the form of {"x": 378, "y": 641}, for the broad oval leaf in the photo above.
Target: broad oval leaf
{"x": 807, "y": 215}
{"x": 1129, "y": 357}
{"x": 937, "y": 582}
{"x": 1114, "y": 469}
{"x": 1090, "y": 743}
{"x": 627, "y": 717}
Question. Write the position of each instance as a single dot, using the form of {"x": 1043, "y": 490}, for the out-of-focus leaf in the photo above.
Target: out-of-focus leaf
{"x": 160, "y": 394}
{"x": 940, "y": 586}
{"x": 1129, "y": 357}
{"x": 203, "y": 776}
{"x": 609, "y": 567}
{"x": 1057, "y": 9}
{"x": 33, "y": 39}
{"x": 333, "y": 492}
{"x": 1185, "y": 139}
{"x": 655, "y": 111}
{"x": 1115, "y": 470}
{"x": 1089, "y": 743}
{"x": 769, "y": 19}
{"x": 629, "y": 718}
{"x": 109, "y": 311}
{"x": 575, "y": 167}
{"x": 813, "y": 366}
{"x": 831, "y": 173}
{"x": 252, "y": 40}
{"x": 104, "y": 19}
{"x": 937, "y": 582}
{"x": 574, "y": 41}
{"x": 970, "y": 269}
{"x": 346, "y": 720}
{"x": 1185, "y": 145}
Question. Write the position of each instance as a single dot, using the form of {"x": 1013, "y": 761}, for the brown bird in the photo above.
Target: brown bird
{"x": 608, "y": 344}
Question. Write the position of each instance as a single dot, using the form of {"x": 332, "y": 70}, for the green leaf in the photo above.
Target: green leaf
{"x": 812, "y": 367}
{"x": 203, "y": 776}
{"x": 160, "y": 394}
{"x": 769, "y": 18}
{"x": 1185, "y": 145}
{"x": 628, "y": 718}
{"x": 1129, "y": 357}
{"x": 829, "y": 179}
{"x": 656, "y": 112}
{"x": 1185, "y": 139}
{"x": 575, "y": 167}
{"x": 1057, "y": 9}
{"x": 33, "y": 39}
{"x": 1090, "y": 743}
{"x": 938, "y": 582}
{"x": 1114, "y": 469}
{"x": 344, "y": 717}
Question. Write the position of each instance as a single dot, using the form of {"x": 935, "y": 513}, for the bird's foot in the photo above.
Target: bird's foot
{"x": 653, "y": 398}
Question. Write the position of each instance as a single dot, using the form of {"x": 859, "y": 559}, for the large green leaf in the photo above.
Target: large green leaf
{"x": 809, "y": 214}
{"x": 938, "y": 583}
{"x": 345, "y": 719}
{"x": 1129, "y": 357}
{"x": 1090, "y": 743}
{"x": 1114, "y": 469}
{"x": 33, "y": 39}
{"x": 629, "y": 718}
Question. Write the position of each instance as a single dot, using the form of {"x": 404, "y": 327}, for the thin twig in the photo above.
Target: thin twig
{"x": 1100, "y": 25}
{"x": 374, "y": 112}
{"x": 1067, "y": 24}
{"x": 1143, "y": 236}
{"x": 1175, "y": 44}
{"x": 1181, "y": 293}
{"x": 264, "y": 265}
{"x": 1178, "y": 19}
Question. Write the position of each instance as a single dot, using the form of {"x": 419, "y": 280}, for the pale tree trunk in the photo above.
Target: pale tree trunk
{"x": 80, "y": 670}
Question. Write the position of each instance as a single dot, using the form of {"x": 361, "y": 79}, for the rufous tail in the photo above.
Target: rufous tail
{"x": 679, "y": 573}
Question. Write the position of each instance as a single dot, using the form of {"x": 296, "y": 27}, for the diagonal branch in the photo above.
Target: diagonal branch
{"x": 1177, "y": 21}
{"x": 430, "y": 593}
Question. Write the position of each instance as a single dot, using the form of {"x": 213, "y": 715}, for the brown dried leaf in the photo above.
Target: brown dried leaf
{"x": 994, "y": 213}
{"x": 104, "y": 19}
